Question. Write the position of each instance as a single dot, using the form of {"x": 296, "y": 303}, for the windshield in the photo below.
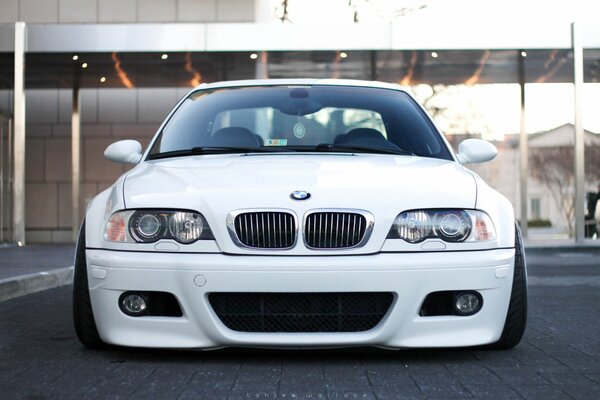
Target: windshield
{"x": 299, "y": 118}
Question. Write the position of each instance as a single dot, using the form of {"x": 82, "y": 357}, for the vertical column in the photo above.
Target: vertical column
{"x": 523, "y": 151}
{"x": 2, "y": 162}
{"x": 19, "y": 136}
{"x": 262, "y": 65}
{"x": 579, "y": 150}
{"x": 263, "y": 11}
{"x": 262, "y": 72}
{"x": 75, "y": 162}
{"x": 10, "y": 233}
{"x": 373, "y": 64}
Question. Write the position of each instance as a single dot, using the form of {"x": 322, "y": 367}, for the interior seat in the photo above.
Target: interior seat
{"x": 234, "y": 136}
{"x": 365, "y": 137}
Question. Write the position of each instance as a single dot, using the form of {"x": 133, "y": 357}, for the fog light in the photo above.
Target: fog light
{"x": 467, "y": 303}
{"x": 133, "y": 304}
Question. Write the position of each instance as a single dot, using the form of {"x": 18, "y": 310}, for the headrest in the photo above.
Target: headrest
{"x": 360, "y": 135}
{"x": 234, "y": 136}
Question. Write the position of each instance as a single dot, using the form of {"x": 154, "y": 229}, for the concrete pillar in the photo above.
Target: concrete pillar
{"x": 523, "y": 151}
{"x": 19, "y": 136}
{"x": 75, "y": 162}
{"x": 2, "y": 177}
{"x": 262, "y": 65}
{"x": 579, "y": 150}
{"x": 263, "y": 12}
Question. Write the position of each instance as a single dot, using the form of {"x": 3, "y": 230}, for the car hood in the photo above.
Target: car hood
{"x": 216, "y": 185}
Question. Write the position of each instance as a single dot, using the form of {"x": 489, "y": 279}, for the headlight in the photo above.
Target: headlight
{"x": 148, "y": 226}
{"x": 447, "y": 225}
{"x": 187, "y": 227}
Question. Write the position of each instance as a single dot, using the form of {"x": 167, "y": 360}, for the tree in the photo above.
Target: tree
{"x": 362, "y": 10}
{"x": 385, "y": 9}
{"x": 553, "y": 167}
{"x": 284, "y": 12}
{"x": 451, "y": 115}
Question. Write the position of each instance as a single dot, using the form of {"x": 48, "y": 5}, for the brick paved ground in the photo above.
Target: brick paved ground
{"x": 559, "y": 358}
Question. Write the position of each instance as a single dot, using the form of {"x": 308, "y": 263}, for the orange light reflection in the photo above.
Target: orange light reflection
{"x": 196, "y": 76}
{"x": 553, "y": 68}
{"x": 121, "y": 73}
{"x": 477, "y": 74}
{"x": 406, "y": 80}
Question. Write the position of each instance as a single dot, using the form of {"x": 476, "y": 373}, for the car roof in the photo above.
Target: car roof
{"x": 298, "y": 82}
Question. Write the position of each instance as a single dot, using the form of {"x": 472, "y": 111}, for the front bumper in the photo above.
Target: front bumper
{"x": 410, "y": 276}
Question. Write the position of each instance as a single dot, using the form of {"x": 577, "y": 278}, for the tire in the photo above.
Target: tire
{"x": 516, "y": 318}
{"x": 83, "y": 316}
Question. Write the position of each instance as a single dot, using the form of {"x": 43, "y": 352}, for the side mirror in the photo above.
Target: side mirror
{"x": 124, "y": 151}
{"x": 473, "y": 151}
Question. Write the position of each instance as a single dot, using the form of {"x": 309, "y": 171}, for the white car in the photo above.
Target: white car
{"x": 299, "y": 213}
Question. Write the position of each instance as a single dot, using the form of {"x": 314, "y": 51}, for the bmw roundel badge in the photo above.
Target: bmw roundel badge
{"x": 300, "y": 195}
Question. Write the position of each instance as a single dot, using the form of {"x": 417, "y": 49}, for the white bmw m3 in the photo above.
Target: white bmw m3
{"x": 299, "y": 213}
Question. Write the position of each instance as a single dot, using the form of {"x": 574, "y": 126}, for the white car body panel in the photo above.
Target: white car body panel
{"x": 210, "y": 184}
{"x": 411, "y": 276}
{"x": 383, "y": 185}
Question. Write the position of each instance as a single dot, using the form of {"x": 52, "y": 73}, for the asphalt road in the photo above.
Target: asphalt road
{"x": 40, "y": 358}
{"x": 17, "y": 261}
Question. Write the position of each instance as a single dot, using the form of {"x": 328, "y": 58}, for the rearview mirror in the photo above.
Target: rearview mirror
{"x": 124, "y": 151}
{"x": 473, "y": 151}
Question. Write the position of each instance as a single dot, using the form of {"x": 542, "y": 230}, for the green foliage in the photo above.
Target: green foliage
{"x": 539, "y": 223}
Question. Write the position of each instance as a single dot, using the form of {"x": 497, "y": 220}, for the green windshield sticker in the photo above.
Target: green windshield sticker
{"x": 275, "y": 142}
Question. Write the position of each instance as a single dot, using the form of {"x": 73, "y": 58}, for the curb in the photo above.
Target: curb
{"x": 33, "y": 283}
{"x": 562, "y": 247}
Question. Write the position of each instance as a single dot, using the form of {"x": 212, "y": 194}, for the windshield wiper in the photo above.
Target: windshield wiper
{"x": 360, "y": 149}
{"x": 323, "y": 147}
{"x": 194, "y": 151}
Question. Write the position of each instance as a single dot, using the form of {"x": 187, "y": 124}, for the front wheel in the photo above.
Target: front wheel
{"x": 83, "y": 316}
{"x": 516, "y": 318}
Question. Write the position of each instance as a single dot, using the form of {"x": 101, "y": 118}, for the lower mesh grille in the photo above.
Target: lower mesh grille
{"x": 301, "y": 312}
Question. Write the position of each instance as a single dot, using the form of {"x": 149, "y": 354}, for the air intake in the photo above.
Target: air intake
{"x": 301, "y": 312}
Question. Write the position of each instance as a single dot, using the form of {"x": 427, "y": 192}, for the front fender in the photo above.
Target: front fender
{"x": 499, "y": 209}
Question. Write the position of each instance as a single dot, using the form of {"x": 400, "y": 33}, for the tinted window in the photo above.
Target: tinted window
{"x": 289, "y": 116}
